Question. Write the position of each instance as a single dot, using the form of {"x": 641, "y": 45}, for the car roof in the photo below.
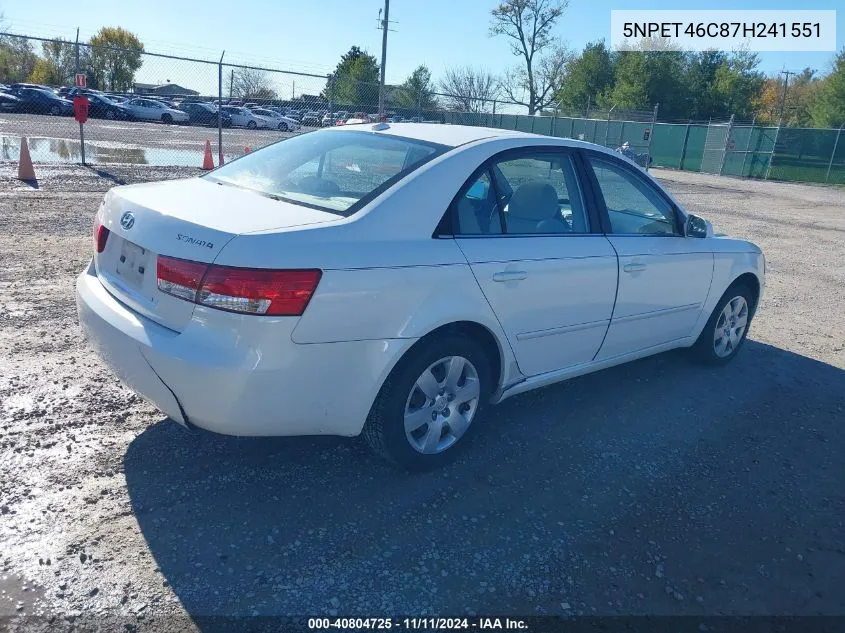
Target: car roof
{"x": 450, "y": 135}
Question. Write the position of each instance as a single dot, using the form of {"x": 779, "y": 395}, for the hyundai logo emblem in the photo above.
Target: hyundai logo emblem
{"x": 127, "y": 221}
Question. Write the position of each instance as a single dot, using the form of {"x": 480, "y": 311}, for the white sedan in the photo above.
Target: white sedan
{"x": 276, "y": 120}
{"x": 151, "y": 110}
{"x": 243, "y": 117}
{"x": 422, "y": 272}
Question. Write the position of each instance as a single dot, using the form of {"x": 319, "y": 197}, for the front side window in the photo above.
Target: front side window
{"x": 332, "y": 171}
{"x": 532, "y": 194}
{"x": 632, "y": 205}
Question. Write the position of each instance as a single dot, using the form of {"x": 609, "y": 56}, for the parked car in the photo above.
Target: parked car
{"x": 14, "y": 88}
{"x": 328, "y": 119}
{"x": 357, "y": 117}
{"x": 242, "y": 117}
{"x": 101, "y": 107}
{"x": 277, "y": 121}
{"x": 39, "y": 101}
{"x": 251, "y": 106}
{"x": 152, "y": 110}
{"x": 312, "y": 118}
{"x": 205, "y": 114}
{"x": 221, "y": 305}
{"x": 9, "y": 102}
{"x": 72, "y": 92}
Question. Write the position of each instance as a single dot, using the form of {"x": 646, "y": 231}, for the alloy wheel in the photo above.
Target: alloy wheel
{"x": 441, "y": 405}
{"x": 730, "y": 327}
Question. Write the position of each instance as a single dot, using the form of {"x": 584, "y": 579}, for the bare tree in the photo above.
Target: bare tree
{"x": 251, "y": 83}
{"x": 469, "y": 90}
{"x": 528, "y": 26}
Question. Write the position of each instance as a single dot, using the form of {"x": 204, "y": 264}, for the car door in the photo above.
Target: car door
{"x": 664, "y": 277}
{"x": 138, "y": 109}
{"x": 550, "y": 276}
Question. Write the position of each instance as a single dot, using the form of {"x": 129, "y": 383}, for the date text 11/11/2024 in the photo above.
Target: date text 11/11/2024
{"x": 418, "y": 624}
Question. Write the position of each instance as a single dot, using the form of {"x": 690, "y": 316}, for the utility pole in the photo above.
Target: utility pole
{"x": 783, "y": 97}
{"x": 384, "y": 24}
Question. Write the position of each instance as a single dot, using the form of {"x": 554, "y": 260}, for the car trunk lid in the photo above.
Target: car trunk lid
{"x": 185, "y": 219}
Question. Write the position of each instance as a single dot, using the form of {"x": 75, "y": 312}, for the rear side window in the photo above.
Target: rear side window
{"x": 332, "y": 171}
{"x": 531, "y": 194}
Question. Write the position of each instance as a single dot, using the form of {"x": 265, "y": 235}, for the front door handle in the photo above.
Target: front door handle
{"x": 510, "y": 275}
{"x": 634, "y": 267}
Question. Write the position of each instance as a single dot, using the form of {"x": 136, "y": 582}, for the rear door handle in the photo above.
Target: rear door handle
{"x": 634, "y": 267}
{"x": 510, "y": 275}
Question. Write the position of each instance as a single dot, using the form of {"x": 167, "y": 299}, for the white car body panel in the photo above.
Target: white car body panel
{"x": 663, "y": 283}
{"x": 547, "y": 330}
{"x": 387, "y": 282}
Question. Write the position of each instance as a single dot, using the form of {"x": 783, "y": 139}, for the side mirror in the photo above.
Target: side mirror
{"x": 696, "y": 227}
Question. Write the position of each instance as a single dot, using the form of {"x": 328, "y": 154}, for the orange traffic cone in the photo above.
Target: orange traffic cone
{"x": 247, "y": 150}
{"x": 25, "y": 169}
{"x": 207, "y": 160}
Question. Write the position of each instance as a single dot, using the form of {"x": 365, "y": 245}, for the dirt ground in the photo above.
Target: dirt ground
{"x": 656, "y": 488}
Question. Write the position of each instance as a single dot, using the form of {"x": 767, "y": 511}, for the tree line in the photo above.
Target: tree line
{"x": 551, "y": 79}
{"x": 110, "y": 60}
{"x": 547, "y": 78}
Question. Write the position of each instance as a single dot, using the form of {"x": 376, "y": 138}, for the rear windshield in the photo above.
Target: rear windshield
{"x": 329, "y": 170}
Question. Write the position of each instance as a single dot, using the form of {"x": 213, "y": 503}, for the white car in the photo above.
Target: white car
{"x": 417, "y": 272}
{"x": 276, "y": 120}
{"x": 150, "y": 110}
{"x": 244, "y": 117}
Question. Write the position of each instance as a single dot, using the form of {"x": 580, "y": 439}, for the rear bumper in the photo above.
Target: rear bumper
{"x": 237, "y": 374}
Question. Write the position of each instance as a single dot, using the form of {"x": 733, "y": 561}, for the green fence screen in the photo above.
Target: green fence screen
{"x": 746, "y": 151}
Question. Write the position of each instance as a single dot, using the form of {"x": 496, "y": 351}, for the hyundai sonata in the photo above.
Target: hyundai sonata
{"x": 393, "y": 280}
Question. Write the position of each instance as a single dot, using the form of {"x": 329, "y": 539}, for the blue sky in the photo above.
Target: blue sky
{"x": 310, "y": 35}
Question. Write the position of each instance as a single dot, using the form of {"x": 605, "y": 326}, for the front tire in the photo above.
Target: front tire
{"x": 166, "y": 118}
{"x": 430, "y": 403}
{"x": 55, "y": 110}
{"x": 727, "y": 328}
{"x": 252, "y": 125}
{"x": 283, "y": 127}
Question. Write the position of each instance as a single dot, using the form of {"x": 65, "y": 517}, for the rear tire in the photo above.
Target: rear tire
{"x": 420, "y": 431}
{"x": 110, "y": 115}
{"x": 727, "y": 328}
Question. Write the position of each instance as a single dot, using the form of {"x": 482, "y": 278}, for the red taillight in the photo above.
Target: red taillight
{"x": 101, "y": 234}
{"x": 246, "y": 290}
{"x": 180, "y": 277}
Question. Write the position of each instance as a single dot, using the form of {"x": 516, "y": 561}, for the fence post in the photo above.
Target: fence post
{"x": 651, "y": 134}
{"x": 81, "y": 131}
{"x": 552, "y": 131}
{"x": 684, "y": 147}
{"x": 747, "y": 145}
{"x": 772, "y": 155}
{"x": 833, "y": 153}
{"x": 220, "y": 110}
{"x": 330, "y": 84}
{"x": 607, "y": 125}
{"x": 725, "y": 146}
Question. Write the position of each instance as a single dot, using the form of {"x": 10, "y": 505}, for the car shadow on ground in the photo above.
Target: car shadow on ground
{"x": 660, "y": 486}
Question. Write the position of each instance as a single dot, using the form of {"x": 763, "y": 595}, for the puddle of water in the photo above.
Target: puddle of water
{"x": 59, "y": 150}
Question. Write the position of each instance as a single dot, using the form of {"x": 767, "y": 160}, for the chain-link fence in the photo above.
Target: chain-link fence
{"x": 150, "y": 108}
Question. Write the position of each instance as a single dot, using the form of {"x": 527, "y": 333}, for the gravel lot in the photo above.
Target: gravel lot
{"x": 659, "y": 487}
